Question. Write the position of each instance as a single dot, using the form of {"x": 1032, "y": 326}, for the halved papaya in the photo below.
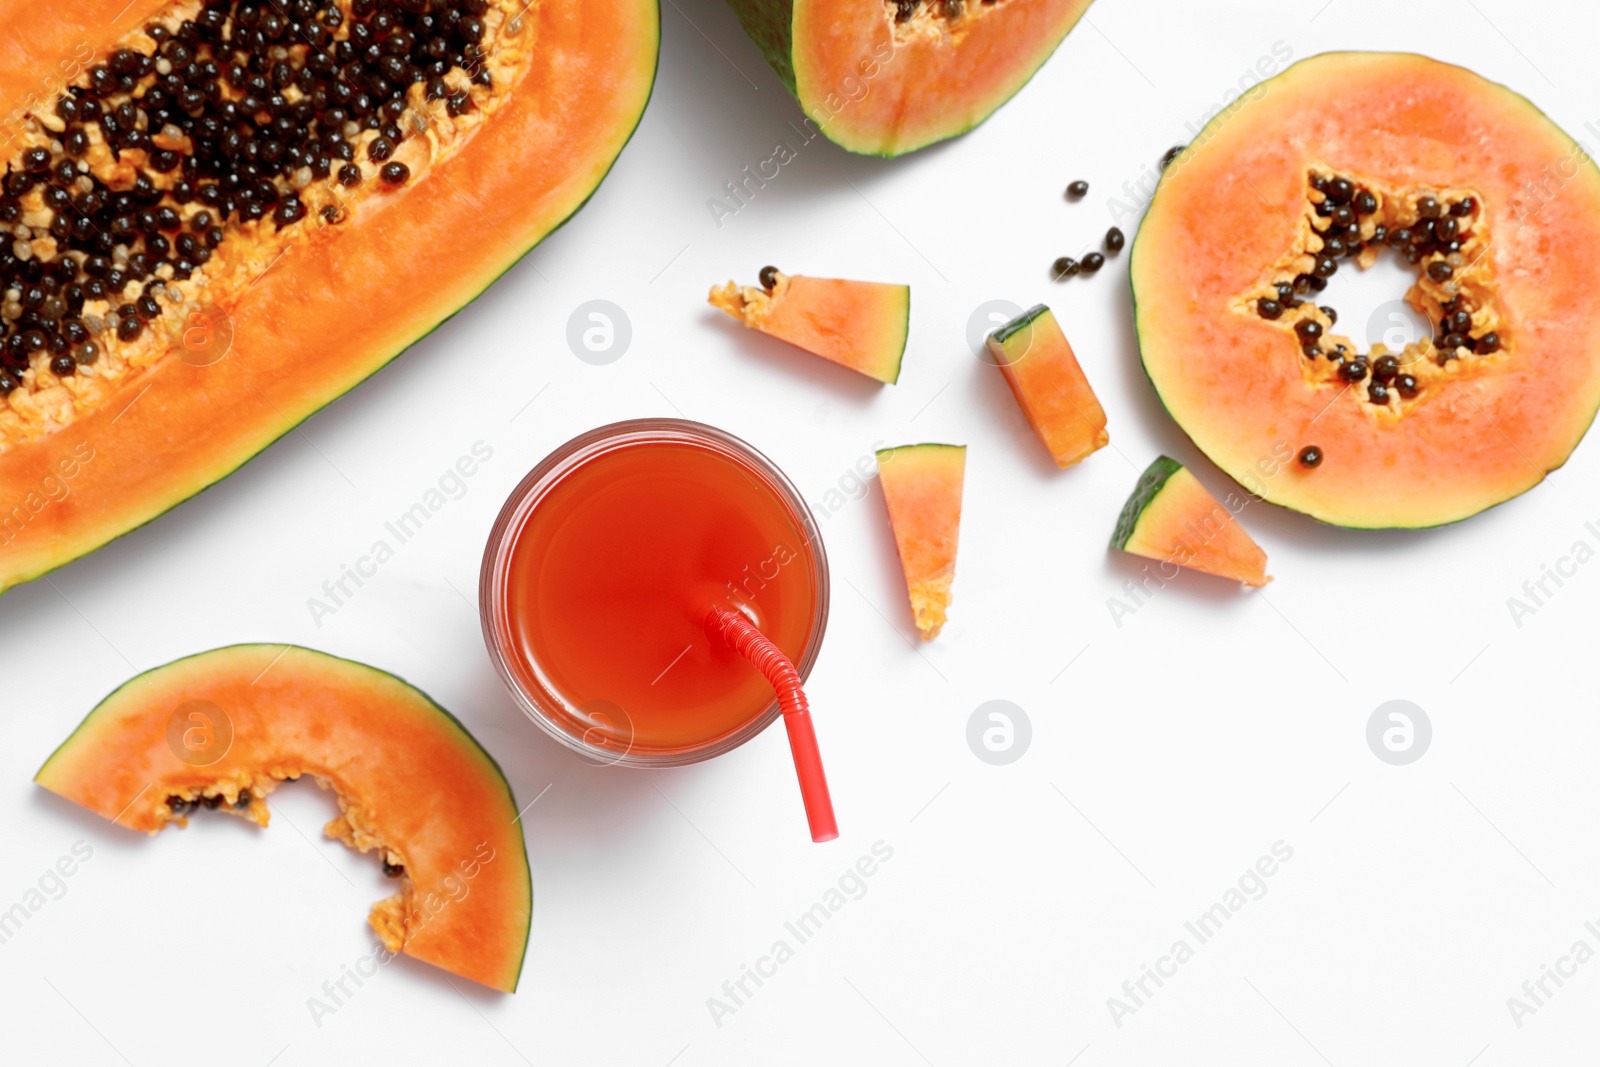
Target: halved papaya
{"x": 216, "y": 217}
{"x": 1054, "y": 393}
{"x": 884, "y": 77}
{"x": 922, "y": 485}
{"x": 1496, "y": 209}
{"x": 860, "y": 325}
{"x": 1172, "y": 518}
{"x": 219, "y": 731}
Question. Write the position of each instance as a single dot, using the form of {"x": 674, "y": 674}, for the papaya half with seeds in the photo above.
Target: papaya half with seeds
{"x": 217, "y": 217}
{"x": 886, "y": 77}
{"x": 1495, "y": 210}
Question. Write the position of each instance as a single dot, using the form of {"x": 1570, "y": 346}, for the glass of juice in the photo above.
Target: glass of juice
{"x": 601, "y": 568}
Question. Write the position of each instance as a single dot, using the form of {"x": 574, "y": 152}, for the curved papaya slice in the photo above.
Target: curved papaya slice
{"x": 219, "y": 731}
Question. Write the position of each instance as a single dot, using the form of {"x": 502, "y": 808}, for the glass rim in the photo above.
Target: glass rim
{"x": 532, "y": 699}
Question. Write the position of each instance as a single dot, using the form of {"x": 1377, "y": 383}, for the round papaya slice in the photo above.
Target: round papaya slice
{"x": 886, "y": 77}
{"x": 218, "y": 216}
{"x": 1240, "y": 263}
{"x": 217, "y": 732}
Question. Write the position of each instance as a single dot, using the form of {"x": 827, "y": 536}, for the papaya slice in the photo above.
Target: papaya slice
{"x": 1171, "y": 517}
{"x": 218, "y": 216}
{"x": 219, "y": 731}
{"x": 922, "y": 485}
{"x": 1494, "y": 208}
{"x": 860, "y": 325}
{"x": 1044, "y": 374}
{"x": 885, "y": 77}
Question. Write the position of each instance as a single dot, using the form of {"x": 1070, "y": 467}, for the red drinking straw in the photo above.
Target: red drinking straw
{"x": 766, "y": 657}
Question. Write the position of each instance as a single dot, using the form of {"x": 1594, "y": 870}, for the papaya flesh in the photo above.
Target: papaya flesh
{"x": 860, "y": 325}
{"x": 1469, "y": 185}
{"x": 217, "y": 218}
{"x": 1050, "y": 386}
{"x": 219, "y": 731}
{"x": 886, "y": 77}
{"x": 922, "y": 486}
{"x": 1172, "y": 518}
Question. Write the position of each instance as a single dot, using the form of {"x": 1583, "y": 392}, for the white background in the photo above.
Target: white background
{"x": 1167, "y": 754}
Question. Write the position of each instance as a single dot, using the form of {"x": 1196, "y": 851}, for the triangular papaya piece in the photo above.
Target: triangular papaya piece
{"x": 860, "y": 325}
{"x": 1044, "y": 374}
{"x": 1171, "y": 517}
{"x": 922, "y": 484}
